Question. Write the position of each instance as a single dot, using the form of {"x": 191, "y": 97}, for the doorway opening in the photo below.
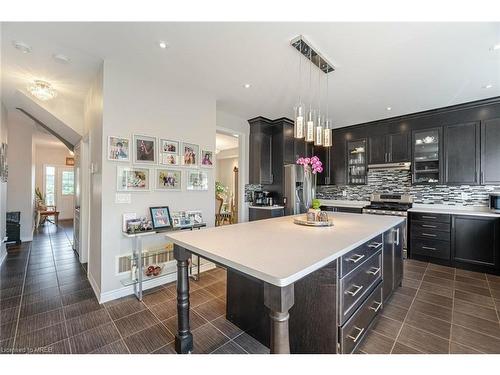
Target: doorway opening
{"x": 227, "y": 178}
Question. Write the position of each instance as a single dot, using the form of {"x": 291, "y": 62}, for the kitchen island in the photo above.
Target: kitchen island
{"x": 343, "y": 263}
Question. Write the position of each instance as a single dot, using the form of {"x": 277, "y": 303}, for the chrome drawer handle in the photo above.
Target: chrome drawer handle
{"x": 429, "y": 217}
{"x": 358, "y": 289}
{"x": 379, "y": 305}
{"x": 356, "y": 258}
{"x": 428, "y": 248}
{"x": 428, "y": 235}
{"x": 374, "y": 272}
{"x": 355, "y": 339}
{"x": 374, "y": 245}
{"x": 429, "y": 226}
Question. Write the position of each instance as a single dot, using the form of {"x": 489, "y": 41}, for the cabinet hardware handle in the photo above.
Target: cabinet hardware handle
{"x": 358, "y": 289}
{"x": 356, "y": 258}
{"x": 428, "y": 234}
{"x": 429, "y": 226}
{"x": 429, "y": 217}
{"x": 482, "y": 177}
{"x": 379, "y": 305}
{"x": 356, "y": 338}
{"x": 428, "y": 248}
{"x": 374, "y": 245}
{"x": 374, "y": 272}
{"x": 397, "y": 236}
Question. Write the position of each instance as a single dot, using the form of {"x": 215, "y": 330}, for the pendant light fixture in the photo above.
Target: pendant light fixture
{"x": 318, "y": 131}
{"x": 327, "y": 132}
{"x": 298, "y": 123}
{"x": 310, "y": 124}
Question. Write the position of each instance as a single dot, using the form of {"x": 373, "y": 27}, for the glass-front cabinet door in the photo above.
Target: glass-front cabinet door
{"x": 356, "y": 162}
{"x": 426, "y": 156}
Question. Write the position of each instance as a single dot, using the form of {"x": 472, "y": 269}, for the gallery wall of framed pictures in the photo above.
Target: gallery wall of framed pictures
{"x": 178, "y": 164}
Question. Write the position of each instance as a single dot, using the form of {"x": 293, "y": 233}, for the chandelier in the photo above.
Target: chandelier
{"x": 42, "y": 90}
{"x": 315, "y": 127}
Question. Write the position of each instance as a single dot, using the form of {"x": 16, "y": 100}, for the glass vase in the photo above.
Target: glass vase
{"x": 309, "y": 188}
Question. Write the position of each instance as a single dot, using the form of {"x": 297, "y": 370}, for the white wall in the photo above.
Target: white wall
{"x": 240, "y": 126}
{"x": 21, "y": 180}
{"x": 48, "y": 155}
{"x": 93, "y": 131}
{"x": 3, "y": 185}
{"x": 135, "y": 102}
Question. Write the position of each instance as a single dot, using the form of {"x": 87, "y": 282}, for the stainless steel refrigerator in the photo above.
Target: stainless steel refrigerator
{"x": 293, "y": 189}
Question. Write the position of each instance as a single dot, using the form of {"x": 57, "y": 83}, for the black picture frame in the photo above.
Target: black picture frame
{"x": 154, "y": 219}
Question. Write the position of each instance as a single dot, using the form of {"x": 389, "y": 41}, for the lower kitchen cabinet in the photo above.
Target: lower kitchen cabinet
{"x": 261, "y": 213}
{"x": 463, "y": 241}
{"x": 475, "y": 240}
{"x": 392, "y": 260}
{"x": 350, "y": 210}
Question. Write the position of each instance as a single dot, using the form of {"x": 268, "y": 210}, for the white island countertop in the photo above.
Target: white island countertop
{"x": 453, "y": 210}
{"x": 280, "y": 252}
{"x": 343, "y": 203}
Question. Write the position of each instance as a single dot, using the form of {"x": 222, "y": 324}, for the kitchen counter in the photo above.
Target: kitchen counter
{"x": 263, "y": 245}
{"x": 275, "y": 207}
{"x": 343, "y": 203}
{"x": 453, "y": 210}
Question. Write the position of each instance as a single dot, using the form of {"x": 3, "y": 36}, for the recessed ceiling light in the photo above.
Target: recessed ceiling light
{"x": 42, "y": 90}
{"x": 21, "y": 46}
{"x": 60, "y": 58}
{"x": 162, "y": 44}
{"x": 488, "y": 86}
{"x": 389, "y": 108}
{"x": 247, "y": 85}
{"x": 496, "y": 47}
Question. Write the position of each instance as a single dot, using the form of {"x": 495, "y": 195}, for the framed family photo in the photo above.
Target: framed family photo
{"x": 118, "y": 148}
{"x": 207, "y": 158}
{"x": 132, "y": 179}
{"x": 169, "y": 147}
{"x": 145, "y": 149}
{"x": 160, "y": 217}
{"x": 169, "y": 159}
{"x": 197, "y": 180}
{"x": 168, "y": 179}
{"x": 189, "y": 154}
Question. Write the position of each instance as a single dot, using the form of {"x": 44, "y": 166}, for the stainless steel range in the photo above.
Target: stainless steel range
{"x": 390, "y": 204}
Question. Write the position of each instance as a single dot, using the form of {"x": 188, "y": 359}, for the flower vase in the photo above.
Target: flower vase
{"x": 309, "y": 187}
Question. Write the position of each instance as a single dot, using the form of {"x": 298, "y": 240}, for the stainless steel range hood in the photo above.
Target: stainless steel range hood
{"x": 404, "y": 166}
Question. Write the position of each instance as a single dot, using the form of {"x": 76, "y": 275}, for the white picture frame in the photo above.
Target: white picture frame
{"x": 168, "y": 146}
{"x": 133, "y": 179}
{"x": 189, "y": 154}
{"x": 197, "y": 180}
{"x": 207, "y": 158}
{"x": 118, "y": 148}
{"x": 145, "y": 149}
{"x": 169, "y": 159}
{"x": 163, "y": 179}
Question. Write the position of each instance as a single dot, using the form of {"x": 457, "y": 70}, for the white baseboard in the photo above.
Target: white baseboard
{"x": 94, "y": 285}
{"x": 128, "y": 290}
{"x": 26, "y": 239}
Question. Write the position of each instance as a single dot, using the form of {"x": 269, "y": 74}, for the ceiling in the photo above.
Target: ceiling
{"x": 409, "y": 67}
{"x": 225, "y": 142}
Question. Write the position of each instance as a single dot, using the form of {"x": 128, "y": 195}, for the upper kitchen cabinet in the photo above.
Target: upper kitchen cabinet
{"x": 388, "y": 148}
{"x": 356, "y": 162}
{"x": 338, "y": 158}
{"x": 323, "y": 153}
{"x": 461, "y": 153}
{"x": 376, "y": 149}
{"x": 490, "y": 151}
{"x": 261, "y": 140}
{"x": 426, "y": 156}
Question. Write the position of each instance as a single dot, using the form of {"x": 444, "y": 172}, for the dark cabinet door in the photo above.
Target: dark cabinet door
{"x": 461, "y": 153}
{"x": 387, "y": 260}
{"x": 377, "y": 153}
{"x": 260, "y": 163}
{"x": 338, "y": 159}
{"x": 490, "y": 151}
{"x": 475, "y": 240}
{"x": 400, "y": 234}
{"x": 323, "y": 153}
{"x": 397, "y": 147}
{"x": 266, "y": 170}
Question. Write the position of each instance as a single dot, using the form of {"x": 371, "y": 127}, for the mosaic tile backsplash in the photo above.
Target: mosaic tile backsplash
{"x": 397, "y": 181}
{"x": 249, "y": 189}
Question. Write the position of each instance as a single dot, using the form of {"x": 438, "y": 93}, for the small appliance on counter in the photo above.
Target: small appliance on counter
{"x": 263, "y": 198}
{"x": 495, "y": 202}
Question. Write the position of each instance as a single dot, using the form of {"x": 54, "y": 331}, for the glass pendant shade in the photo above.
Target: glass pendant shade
{"x": 327, "y": 134}
{"x": 298, "y": 125}
{"x": 310, "y": 125}
{"x": 318, "y": 131}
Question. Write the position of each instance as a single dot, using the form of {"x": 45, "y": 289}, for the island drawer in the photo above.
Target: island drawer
{"x": 355, "y": 286}
{"x": 424, "y": 225}
{"x": 430, "y": 234}
{"x": 352, "y": 332}
{"x": 424, "y": 216}
{"x": 430, "y": 248}
{"x": 356, "y": 257}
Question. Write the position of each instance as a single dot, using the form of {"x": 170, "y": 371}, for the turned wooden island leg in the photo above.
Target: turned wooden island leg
{"x": 184, "y": 337}
{"x": 279, "y": 300}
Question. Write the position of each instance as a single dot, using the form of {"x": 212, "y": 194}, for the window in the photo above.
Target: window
{"x": 68, "y": 183}
{"x": 50, "y": 186}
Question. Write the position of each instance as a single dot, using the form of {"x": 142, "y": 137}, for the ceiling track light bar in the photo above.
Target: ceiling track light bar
{"x": 312, "y": 54}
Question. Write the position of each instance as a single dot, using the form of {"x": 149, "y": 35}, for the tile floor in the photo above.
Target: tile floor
{"x": 48, "y": 306}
